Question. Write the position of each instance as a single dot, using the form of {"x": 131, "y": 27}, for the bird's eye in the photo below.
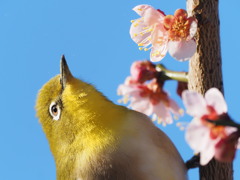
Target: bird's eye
{"x": 55, "y": 110}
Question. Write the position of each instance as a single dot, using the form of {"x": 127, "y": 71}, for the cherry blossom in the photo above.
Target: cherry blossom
{"x": 204, "y": 137}
{"x": 161, "y": 33}
{"x": 142, "y": 71}
{"x": 150, "y": 99}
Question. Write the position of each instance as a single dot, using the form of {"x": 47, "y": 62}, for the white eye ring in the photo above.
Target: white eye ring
{"x": 55, "y": 111}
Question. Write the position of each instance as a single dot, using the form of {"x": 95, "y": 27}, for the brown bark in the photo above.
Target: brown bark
{"x": 205, "y": 69}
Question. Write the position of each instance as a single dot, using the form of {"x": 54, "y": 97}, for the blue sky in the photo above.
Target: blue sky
{"x": 94, "y": 36}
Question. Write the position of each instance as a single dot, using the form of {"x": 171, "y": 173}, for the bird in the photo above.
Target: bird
{"x": 91, "y": 138}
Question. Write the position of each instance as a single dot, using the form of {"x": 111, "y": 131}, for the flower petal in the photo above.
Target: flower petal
{"x": 229, "y": 130}
{"x": 175, "y": 109}
{"x": 182, "y": 50}
{"x": 180, "y": 13}
{"x": 207, "y": 155}
{"x": 193, "y": 29}
{"x": 159, "y": 44}
{"x": 168, "y": 20}
{"x": 140, "y": 9}
{"x": 194, "y": 103}
{"x": 125, "y": 89}
{"x": 142, "y": 105}
{"x": 139, "y": 33}
{"x": 150, "y": 14}
{"x": 163, "y": 113}
{"x": 215, "y": 99}
{"x": 158, "y": 53}
{"x": 153, "y": 16}
{"x": 198, "y": 137}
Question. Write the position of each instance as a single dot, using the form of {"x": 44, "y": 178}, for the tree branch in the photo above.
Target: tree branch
{"x": 205, "y": 69}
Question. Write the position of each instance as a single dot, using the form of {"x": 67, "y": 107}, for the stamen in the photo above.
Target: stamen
{"x": 179, "y": 29}
{"x": 159, "y": 120}
{"x": 145, "y": 43}
{"x": 182, "y": 125}
{"x": 176, "y": 117}
{"x": 181, "y": 112}
{"x": 164, "y": 124}
{"x": 157, "y": 53}
{"x": 136, "y": 24}
{"x": 150, "y": 29}
{"x": 160, "y": 42}
{"x": 125, "y": 99}
{"x": 144, "y": 28}
{"x": 154, "y": 117}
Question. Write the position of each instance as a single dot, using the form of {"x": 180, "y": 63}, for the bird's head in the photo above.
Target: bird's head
{"x": 66, "y": 105}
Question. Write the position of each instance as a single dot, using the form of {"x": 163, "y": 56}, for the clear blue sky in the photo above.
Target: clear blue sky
{"x": 94, "y": 37}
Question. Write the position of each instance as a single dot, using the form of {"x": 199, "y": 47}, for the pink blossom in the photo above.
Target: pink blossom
{"x": 161, "y": 33}
{"x": 150, "y": 99}
{"x": 204, "y": 137}
{"x": 142, "y": 71}
{"x": 225, "y": 149}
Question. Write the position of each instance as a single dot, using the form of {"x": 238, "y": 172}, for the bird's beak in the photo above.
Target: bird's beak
{"x": 65, "y": 75}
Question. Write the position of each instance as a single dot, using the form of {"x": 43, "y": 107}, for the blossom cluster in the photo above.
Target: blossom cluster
{"x": 144, "y": 90}
{"x": 211, "y": 133}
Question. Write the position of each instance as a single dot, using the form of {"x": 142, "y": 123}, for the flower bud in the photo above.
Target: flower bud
{"x": 142, "y": 71}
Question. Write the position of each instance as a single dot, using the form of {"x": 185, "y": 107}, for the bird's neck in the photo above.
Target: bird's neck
{"x": 96, "y": 130}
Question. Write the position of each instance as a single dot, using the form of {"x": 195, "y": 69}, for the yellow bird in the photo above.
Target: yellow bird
{"x": 91, "y": 138}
